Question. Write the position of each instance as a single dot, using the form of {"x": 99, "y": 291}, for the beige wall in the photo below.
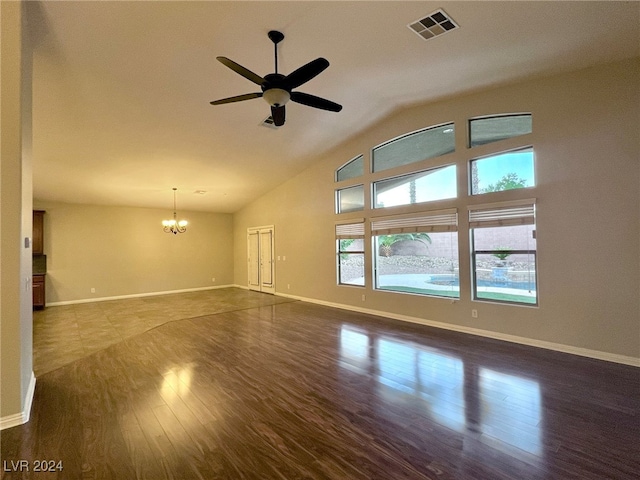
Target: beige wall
{"x": 123, "y": 251}
{"x": 587, "y": 149}
{"x": 26, "y": 174}
{"x": 15, "y": 214}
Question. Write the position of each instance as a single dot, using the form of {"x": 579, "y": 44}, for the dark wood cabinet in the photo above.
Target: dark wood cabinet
{"x": 38, "y": 291}
{"x": 38, "y": 232}
{"x": 39, "y": 259}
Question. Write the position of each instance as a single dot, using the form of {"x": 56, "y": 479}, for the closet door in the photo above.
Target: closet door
{"x": 253, "y": 255}
{"x": 261, "y": 267}
{"x": 266, "y": 261}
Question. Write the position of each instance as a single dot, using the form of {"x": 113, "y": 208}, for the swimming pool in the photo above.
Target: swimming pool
{"x": 453, "y": 281}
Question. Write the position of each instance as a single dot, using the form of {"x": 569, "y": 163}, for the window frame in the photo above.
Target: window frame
{"x": 426, "y": 221}
{"x": 496, "y": 154}
{"x": 357, "y": 232}
{"x": 464, "y": 159}
{"x": 470, "y": 144}
{"x": 338, "y": 211}
{"x": 474, "y": 286}
{"x": 517, "y": 219}
{"x": 374, "y": 202}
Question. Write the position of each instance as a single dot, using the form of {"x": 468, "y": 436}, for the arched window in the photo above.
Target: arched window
{"x": 414, "y": 147}
{"x": 352, "y": 169}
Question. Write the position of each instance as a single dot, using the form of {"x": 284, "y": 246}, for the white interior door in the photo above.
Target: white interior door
{"x": 266, "y": 261}
{"x": 253, "y": 254}
{"x": 260, "y": 259}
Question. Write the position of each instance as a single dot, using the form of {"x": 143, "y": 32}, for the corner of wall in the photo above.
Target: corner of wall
{"x": 22, "y": 417}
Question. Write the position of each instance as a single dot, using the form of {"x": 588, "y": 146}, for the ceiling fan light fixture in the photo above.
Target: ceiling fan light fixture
{"x": 276, "y": 97}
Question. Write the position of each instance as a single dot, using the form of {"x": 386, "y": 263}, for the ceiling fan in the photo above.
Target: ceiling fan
{"x": 277, "y": 88}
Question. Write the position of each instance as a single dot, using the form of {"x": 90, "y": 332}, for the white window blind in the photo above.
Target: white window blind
{"x": 350, "y": 230}
{"x": 435, "y": 221}
{"x": 497, "y": 215}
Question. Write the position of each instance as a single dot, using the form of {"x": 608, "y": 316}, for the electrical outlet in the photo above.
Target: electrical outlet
{"x": 93, "y": 290}
{"x": 213, "y": 279}
{"x": 288, "y": 286}
{"x": 474, "y": 313}
{"x": 363, "y": 297}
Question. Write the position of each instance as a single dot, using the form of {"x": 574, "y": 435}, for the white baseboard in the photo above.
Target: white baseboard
{"x": 136, "y": 295}
{"x": 22, "y": 417}
{"x": 559, "y": 347}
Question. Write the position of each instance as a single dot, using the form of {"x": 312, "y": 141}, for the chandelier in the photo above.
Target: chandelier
{"x": 174, "y": 226}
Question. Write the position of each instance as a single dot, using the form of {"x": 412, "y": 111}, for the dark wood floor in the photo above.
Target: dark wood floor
{"x": 300, "y": 391}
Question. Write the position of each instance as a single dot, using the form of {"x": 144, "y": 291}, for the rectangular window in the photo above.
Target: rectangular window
{"x": 417, "y": 254}
{"x": 414, "y": 147}
{"x": 350, "y": 199}
{"x": 352, "y": 169}
{"x": 426, "y": 186}
{"x": 504, "y": 252}
{"x": 492, "y": 129}
{"x": 503, "y": 171}
{"x": 350, "y": 246}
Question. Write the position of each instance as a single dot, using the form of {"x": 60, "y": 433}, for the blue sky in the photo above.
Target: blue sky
{"x": 492, "y": 169}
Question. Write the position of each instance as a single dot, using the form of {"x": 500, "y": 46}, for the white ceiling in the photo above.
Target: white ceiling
{"x": 121, "y": 89}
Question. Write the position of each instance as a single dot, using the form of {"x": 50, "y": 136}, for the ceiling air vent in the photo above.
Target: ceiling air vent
{"x": 268, "y": 122}
{"x": 433, "y": 25}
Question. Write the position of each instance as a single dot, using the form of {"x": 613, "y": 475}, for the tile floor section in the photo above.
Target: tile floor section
{"x": 66, "y": 333}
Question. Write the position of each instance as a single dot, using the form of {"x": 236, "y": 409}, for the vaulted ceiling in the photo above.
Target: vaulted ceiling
{"x": 121, "y": 90}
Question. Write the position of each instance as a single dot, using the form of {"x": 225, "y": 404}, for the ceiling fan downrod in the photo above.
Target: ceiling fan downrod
{"x": 276, "y": 37}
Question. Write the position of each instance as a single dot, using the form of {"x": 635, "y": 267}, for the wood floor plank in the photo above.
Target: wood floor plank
{"x": 241, "y": 385}
{"x": 140, "y": 453}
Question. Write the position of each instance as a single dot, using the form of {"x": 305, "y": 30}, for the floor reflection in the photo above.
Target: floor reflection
{"x": 436, "y": 378}
{"x": 354, "y": 349}
{"x": 176, "y": 381}
{"x": 511, "y": 409}
{"x": 462, "y": 397}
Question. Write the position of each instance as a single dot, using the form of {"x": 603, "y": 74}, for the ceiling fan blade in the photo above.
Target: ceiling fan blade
{"x": 237, "y": 98}
{"x": 315, "y": 102}
{"x": 239, "y": 69}
{"x": 305, "y": 73}
{"x": 278, "y": 114}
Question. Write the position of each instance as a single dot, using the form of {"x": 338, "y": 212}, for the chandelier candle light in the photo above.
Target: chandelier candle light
{"x": 174, "y": 226}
